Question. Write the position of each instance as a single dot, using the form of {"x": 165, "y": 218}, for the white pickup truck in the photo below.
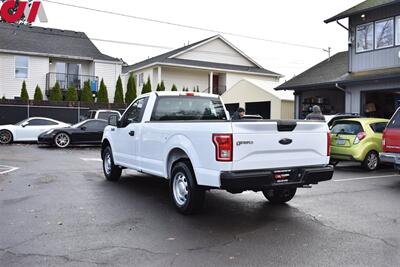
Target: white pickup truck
{"x": 189, "y": 139}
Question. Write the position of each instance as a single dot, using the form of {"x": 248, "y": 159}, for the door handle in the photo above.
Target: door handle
{"x": 132, "y": 133}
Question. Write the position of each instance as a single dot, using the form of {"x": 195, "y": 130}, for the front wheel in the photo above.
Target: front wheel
{"x": 62, "y": 140}
{"x": 371, "y": 161}
{"x": 279, "y": 196}
{"x": 111, "y": 171}
{"x": 6, "y": 137}
{"x": 187, "y": 197}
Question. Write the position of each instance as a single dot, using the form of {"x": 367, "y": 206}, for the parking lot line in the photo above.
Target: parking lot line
{"x": 367, "y": 178}
{"x": 7, "y": 169}
{"x": 91, "y": 159}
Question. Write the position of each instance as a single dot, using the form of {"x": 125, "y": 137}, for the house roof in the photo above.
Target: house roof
{"x": 268, "y": 87}
{"x": 328, "y": 73}
{"x": 170, "y": 59}
{"x": 362, "y": 7}
{"x": 50, "y": 42}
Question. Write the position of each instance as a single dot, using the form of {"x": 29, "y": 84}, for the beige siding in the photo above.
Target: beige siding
{"x": 185, "y": 78}
{"x": 109, "y": 72}
{"x": 10, "y": 86}
{"x": 234, "y": 78}
{"x": 287, "y": 110}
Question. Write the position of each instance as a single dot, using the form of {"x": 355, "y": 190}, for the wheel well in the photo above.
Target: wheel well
{"x": 174, "y": 156}
{"x": 104, "y": 144}
{"x": 12, "y": 135}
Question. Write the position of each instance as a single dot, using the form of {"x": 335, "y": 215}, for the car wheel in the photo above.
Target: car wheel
{"x": 371, "y": 161}
{"x": 62, "y": 140}
{"x": 6, "y": 137}
{"x": 111, "y": 171}
{"x": 187, "y": 197}
{"x": 279, "y": 196}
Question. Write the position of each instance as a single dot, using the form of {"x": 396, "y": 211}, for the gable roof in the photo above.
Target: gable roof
{"x": 268, "y": 87}
{"x": 362, "y": 7}
{"x": 49, "y": 42}
{"x": 169, "y": 58}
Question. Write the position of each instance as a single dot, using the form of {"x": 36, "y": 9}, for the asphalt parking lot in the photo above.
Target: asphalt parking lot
{"x": 56, "y": 209}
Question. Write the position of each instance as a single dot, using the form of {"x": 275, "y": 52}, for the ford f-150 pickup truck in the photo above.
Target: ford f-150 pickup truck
{"x": 189, "y": 139}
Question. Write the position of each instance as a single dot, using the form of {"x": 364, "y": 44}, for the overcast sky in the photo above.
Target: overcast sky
{"x": 283, "y": 20}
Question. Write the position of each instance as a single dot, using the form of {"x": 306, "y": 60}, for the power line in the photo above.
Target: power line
{"x": 187, "y": 26}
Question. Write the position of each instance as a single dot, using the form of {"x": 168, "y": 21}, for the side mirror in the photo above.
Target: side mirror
{"x": 113, "y": 120}
{"x": 83, "y": 128}
{"x": 25, "y": 124}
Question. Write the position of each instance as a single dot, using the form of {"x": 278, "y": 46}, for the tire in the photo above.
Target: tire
{"x": 186, "y": 196}
{"x": 6, "y": 137}
{"x": 111, "y": 171}
{"x": 371, "y": 161}
{"x": 62, "y": 140}
{"x": 334, "y": 162}
{"x": 279, "y": 196}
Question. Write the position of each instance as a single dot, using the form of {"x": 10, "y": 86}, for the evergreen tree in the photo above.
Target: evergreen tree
{"x": 174, "y": 89}
{"x": 130, "y": 90}
{"x": 158, "y": 88}
{"x": 119, "y": 92}
{"x": 24, "y": 92}
{"x": 72, "y": 94}
{"x": 162, "y": 86}
{"x": 55, "y": 93}
{"x": 102, "y": 96}
{"x": 147, "y": 87}
{"x": 38, "y": 94}
{"x": 86, "y": 95}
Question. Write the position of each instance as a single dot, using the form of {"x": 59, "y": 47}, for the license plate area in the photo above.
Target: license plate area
{"x": 340, "y": 142}
{"x": 285, "y": 176}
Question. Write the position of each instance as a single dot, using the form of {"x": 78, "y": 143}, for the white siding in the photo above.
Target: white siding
{"x": 109, "y": 72}
{"x": 10, "y": 86}
{"x": 185, "y": 78}
{"x": 217, "y": 51}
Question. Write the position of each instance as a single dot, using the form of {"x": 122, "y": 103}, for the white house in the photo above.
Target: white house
{"x": 42, "y": 56}
{"x": 212, "y": 65}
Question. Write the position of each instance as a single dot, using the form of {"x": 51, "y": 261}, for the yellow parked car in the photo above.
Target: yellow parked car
{"x": 357, "y": 139}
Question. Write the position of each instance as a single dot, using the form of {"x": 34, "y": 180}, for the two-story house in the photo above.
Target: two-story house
{"x": 366, "y": 78}
{"x": 44, "y": 56}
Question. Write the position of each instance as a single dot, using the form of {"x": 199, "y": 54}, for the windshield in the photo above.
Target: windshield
{"x": 347, "y": 127}
{"x": 79, "y": 124}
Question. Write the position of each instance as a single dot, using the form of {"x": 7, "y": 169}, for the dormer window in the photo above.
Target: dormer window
{"x": 384, "y": 33}
{"x": 365, "y": 37}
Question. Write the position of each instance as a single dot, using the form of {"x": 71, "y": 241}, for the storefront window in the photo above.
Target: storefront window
{"x": 384, "y": 33}
{"x": 365, "y": 37}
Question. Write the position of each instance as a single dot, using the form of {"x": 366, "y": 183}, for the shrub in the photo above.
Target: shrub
{"x": 130, "y": 90}
{"x": 102, "y": 96}
{"x": 38, "y": 94}
{"x": 72, "y": 94}
{"x": 86, "y": 95}
{"x": 162, "y": 86}
{"x": 174, "y": 88}
{"x": 4, "y": 97}
{"x": 158, "y": 88}
{"x": 119, "y": 92}
{"x": 24, "y": 92}
{"x": 147, "y": 87}
{"x": 55, "y": 93}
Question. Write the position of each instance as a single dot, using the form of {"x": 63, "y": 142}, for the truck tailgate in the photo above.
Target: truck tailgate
{"x": 274, "y": 145}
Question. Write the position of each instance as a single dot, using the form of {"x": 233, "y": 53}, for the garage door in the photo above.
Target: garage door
{"x": 232, "y": 108}
{"x": 259, "y": 108}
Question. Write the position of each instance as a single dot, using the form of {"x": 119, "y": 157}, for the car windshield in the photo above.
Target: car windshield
{"x": 79, "y": 124}
{"x": 347, "y": 127}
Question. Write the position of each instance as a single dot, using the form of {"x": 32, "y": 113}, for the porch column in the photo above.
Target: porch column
{"x": 211, "y": 82}
{"x": 159, "y": 75}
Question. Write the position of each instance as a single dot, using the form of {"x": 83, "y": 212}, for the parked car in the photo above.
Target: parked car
{"x": 85, "y": 132}
{"x": 28, "y": 130}
{"x": 102, "y": 114}
{"x": 391, "y": 141}
{"x": 330, "y": 119}
{"x": 188, "y": 139}
{"x": 358, "y": 140}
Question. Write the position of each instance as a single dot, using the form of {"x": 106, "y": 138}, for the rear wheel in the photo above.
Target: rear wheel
{"x": 6, "y": 137}
{"x": 111, "y": 171}
{"x": 279, "y": 196}
{"x": 62, "y": 140}
{"x": 371, "y": 161}
{"x": 187, "y": 197}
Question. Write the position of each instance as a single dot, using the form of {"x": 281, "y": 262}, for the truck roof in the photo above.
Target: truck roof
{"x": 180, "y": 93}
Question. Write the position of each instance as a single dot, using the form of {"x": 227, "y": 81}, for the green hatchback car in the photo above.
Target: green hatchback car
{"x": 358, "y": 139}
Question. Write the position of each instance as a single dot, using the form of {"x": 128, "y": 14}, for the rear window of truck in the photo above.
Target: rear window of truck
{"x": 175, "y": 108}
{"x": 347, "y": 127}
{"x": 395, "y": 121}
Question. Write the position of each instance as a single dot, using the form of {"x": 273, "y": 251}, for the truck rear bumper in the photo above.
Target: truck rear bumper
{"x": 239, "y": 181}
{"x": 393, "y": 158}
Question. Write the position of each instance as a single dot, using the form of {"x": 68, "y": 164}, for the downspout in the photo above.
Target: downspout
{"x": 346, "y": 92}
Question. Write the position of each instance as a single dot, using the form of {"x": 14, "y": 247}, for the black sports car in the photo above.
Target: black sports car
{"x": 85, "y": 132}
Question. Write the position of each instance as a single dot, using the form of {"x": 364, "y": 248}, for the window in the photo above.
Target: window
{"x": 347, "y": 127}
{"x": 40, "y": 122}
{"x": 135, "y": 112}
{"x": 384, "y": 33}
{"x": 141, "y": 79}
{"x": 96, "y": 125}
{"x": 378, "y": 127}
{"x": 106, "y": 115}
{"x": 21, "y": 67}
{"x": 395, "y": 121}
{"x": 397, "y": 30}
{"x": 365, "y": 37}
{"x": 188, "y": 108}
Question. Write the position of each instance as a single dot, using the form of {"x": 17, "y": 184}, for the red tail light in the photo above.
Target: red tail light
{"x": 360, "y": 136}
{"x": 189, "y": 94}
{"x": 328, "y": 150}
{"x": 384, "y": 141}
{"x": 223, "y": 147}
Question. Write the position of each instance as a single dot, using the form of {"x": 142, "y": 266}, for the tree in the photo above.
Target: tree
{"x": 147, "y": 87}
{"x": 72, "y": 94}
{"x": 38, "y": 94}
{"x": 24, "y": 92}
{"x": 173, "y": 89}
{"x": 130, "y": 90}
{"x": 102, "y": 96}
{"x": 86, "y": 95}
{"x": 162, "y": 86}
{"x": 14, "y": 9}
{"x": 119, "y": 92}
{"x": 158, "y": 88}
{"x": 55, "y": 93}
